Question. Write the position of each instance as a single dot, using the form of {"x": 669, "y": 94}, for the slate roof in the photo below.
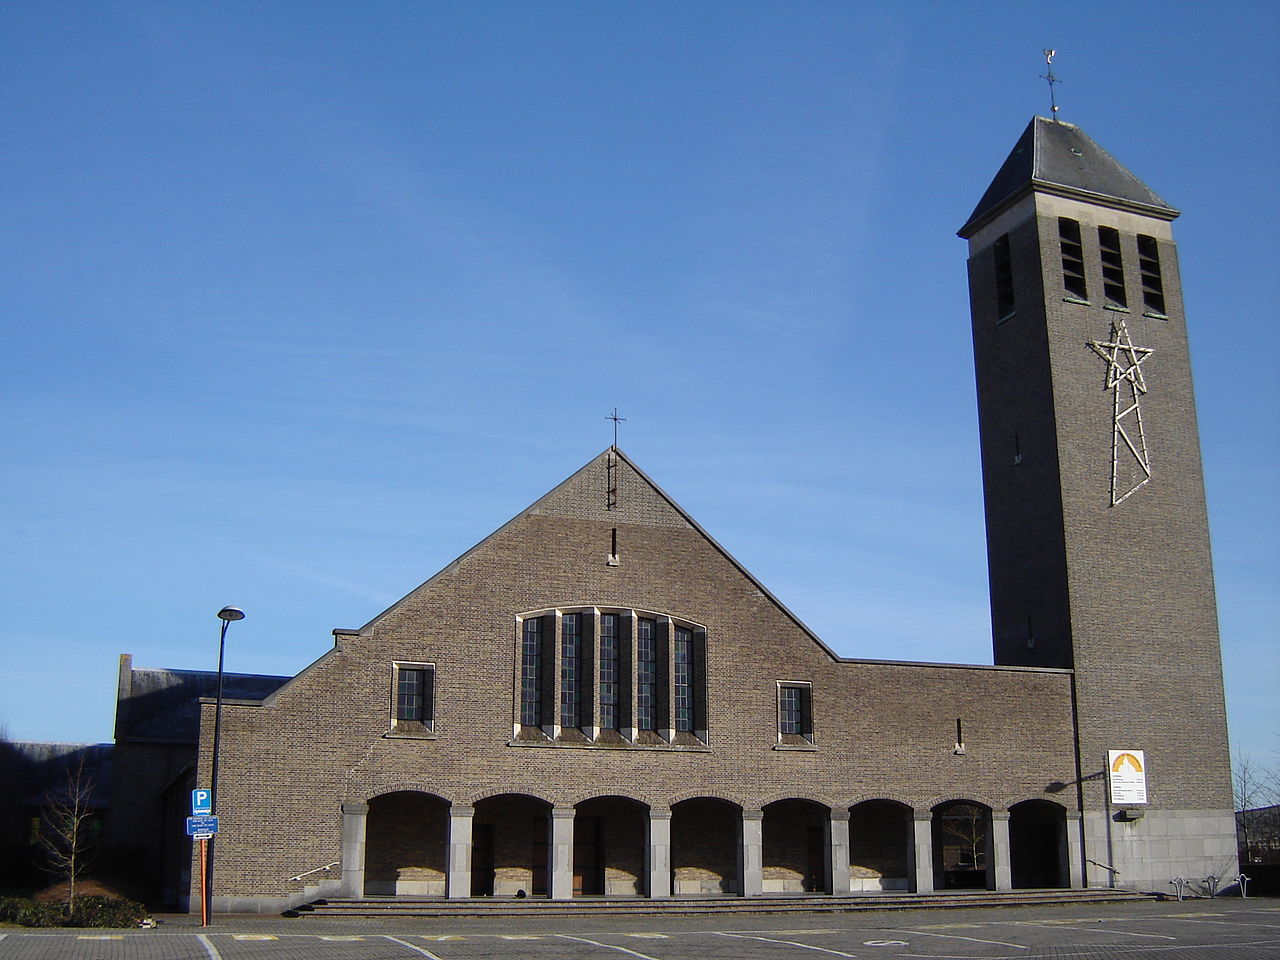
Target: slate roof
{"x": 1056, "y": 157}
{"x": 164, "y": 704}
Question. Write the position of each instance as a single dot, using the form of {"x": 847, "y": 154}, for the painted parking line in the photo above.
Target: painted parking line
{"x": 607, "y": 946}
{"x": 956, "y": 936}
{"x": 790, "y": 943}
{"x": 1225, "y": 923}
{"x": 1061, "y": 925}
{"x": 404, "y": 943}
{"x": 209, "y": 948}
{"x": 254, "y": 936}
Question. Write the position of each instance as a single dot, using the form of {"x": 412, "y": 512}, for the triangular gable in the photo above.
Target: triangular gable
{"x": 586, "y": 495}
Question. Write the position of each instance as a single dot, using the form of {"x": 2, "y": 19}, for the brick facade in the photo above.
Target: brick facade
{"x": 605, "y": 600}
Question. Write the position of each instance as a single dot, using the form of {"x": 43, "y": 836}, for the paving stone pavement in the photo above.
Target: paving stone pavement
{"x": 1193, "y": 930}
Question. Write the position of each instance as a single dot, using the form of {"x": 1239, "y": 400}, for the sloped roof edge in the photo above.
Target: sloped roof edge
{"x": 1051, "y": 156}
{"x": 367, "y": 628}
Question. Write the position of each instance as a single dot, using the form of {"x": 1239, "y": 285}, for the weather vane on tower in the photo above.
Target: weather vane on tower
{"x": 1053, "y": 103}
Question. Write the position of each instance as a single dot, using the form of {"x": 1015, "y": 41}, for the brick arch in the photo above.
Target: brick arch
{"x": 737, "y": 801}
{"x": 612, "y": 796}
{"x": 515, "y": 791}
{"x": 781, "y": 795}
{"x": 372, "y": 791}
{"x": 982, "y": 800}
{"x": 1039, "y": 799}
{"x": 874, "y": 797}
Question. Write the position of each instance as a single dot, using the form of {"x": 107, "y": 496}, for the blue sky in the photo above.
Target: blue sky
{"x": 300, "y": 300}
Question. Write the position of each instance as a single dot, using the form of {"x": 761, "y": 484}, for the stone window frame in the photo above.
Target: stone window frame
{"x": 802, "y": 740}
{"x": 626, "y": 733}
{"x": 412, "y": 729}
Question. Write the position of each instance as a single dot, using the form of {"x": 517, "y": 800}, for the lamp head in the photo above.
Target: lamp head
{"x": 230, "y": 613}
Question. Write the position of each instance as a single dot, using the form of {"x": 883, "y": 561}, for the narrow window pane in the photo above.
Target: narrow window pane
{"x": 684, "y": 680}
{"x": 646, "y": 674}
{"x": 570, "y": 665}
{"x": 609, "y": 671}
{"x": 531, "y": 673}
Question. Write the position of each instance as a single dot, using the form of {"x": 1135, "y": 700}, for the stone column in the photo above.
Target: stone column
{"x": 922, "y": 847}
{"x": 658, "y": 852}
{"x": 1074, "y": 843}
{"x": 560, "y": 853}
{"x": 458, "y": 867}
{"x": 837, "y": 853}
{"x": 750, "y": 854}
{"x": 355, "y": 820}
{"x": 998, "y": 849}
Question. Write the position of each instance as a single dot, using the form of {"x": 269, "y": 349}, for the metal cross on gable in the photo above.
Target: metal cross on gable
{"x": 616, "y": 420}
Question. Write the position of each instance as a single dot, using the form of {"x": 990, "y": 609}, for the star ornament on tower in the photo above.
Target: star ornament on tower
{"x": 1130, "y": 459}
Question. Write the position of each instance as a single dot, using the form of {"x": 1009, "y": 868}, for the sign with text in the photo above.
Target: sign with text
{"x": 1127, "y": 775}
{"x": 202, "y": 827}
{"x": 201, "y": 802}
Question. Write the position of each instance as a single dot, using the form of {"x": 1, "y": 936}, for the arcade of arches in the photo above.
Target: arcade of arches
{"x": 418, "y": 844}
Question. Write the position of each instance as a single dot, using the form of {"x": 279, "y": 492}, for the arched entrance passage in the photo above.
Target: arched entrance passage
{"x": 879, "y": 846}
{"x": 795, "y": 847}
{"x": 1038, "y": 844}
{"x": 962, "y": 845}
{"x": 405, "y": 845}
{"x": 609, "y": 847}
{"x": 704, "y": 846}
{"x": 509, "y": 850}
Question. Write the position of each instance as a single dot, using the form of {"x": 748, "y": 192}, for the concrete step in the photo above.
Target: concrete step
{"x": 679, "y": 906}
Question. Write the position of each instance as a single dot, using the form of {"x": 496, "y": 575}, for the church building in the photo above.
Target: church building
{"x": 597, "y": 699}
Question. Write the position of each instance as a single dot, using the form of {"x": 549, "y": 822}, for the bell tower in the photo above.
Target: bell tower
{"x": 1097, "y": 536}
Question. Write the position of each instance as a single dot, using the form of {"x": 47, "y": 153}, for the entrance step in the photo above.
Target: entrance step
{"x": 682, "y": 905}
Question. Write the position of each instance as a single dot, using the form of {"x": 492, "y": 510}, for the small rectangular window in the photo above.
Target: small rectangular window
{"x": 1004, "y": 278}
{"x": 414, "y": 688}
{"x": 1152, "y": 279}
{"x": 646, "y": 674}
{"x": 795, "y": 712}
{"x": 1112, "y": 267}
{"x": 1073, "y": 278}
{"x": 531, "y": 673}
{"x": 570, "y": 669}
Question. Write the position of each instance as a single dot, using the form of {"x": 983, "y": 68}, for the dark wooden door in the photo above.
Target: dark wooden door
{"x": 588, "y": 859}
{"x": 482, "y": 869}
{"x": 539, "y": 829}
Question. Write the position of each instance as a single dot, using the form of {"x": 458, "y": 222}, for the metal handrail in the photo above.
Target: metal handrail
{"x": 316, "y": 870}
{"x": 1105, "y": 866}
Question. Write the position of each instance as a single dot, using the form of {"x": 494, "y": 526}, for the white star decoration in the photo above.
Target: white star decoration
{"x": 1127, "y": 385}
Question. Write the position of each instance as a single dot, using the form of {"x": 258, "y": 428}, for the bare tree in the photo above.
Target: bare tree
{"x": 966, "y": 826}
{"x": 67, "y": 829}
{"x": 1257, "y": 791}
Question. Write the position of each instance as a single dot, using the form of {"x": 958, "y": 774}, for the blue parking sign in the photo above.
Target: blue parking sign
{"x": 201, "y": 802}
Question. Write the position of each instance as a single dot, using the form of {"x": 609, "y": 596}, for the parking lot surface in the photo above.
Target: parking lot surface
{"x": 1193, "y": 930}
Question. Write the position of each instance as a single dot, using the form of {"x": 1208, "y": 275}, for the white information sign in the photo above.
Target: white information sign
{"x": 1127, "y": 774}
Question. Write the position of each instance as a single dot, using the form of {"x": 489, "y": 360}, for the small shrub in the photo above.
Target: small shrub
{"x": 31, "y": 913}
{"x": 93, "y": 911}
{"x": 90, "y": 911}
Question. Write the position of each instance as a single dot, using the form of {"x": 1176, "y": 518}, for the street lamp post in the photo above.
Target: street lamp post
{"x": 226, "y": 615}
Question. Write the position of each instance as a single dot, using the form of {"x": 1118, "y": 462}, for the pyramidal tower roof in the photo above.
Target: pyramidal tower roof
{"x": 1060, "y": 158}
